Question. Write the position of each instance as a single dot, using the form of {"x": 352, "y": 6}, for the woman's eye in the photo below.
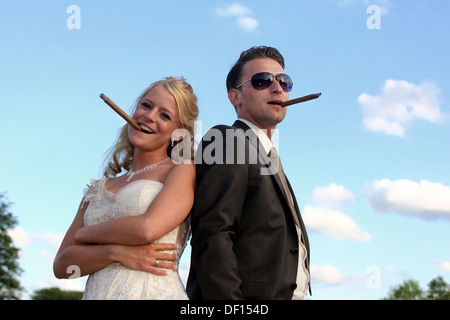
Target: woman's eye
{"x": 165, "y": 116}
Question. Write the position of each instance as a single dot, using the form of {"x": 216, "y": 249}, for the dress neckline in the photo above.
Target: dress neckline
{"x": 128, "y": 184}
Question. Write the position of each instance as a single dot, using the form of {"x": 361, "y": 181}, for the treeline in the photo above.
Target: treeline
{"x": 438, "y": 289}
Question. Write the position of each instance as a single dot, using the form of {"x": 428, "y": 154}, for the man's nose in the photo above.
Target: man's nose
{"x": 276, "y": 87}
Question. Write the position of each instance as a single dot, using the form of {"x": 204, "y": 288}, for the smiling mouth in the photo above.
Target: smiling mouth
{"x": 146, "y": 129}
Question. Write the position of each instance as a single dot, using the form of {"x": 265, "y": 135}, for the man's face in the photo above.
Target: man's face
{"x": 261, "y": 107}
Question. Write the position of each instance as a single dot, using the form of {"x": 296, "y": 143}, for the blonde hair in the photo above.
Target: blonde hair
{"x": 120, "y": 156}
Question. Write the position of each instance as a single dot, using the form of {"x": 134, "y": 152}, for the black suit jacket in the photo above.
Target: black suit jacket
{"x": 244, "y": 241}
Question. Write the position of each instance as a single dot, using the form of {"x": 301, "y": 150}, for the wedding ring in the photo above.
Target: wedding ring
{"x": 157, "y": 263}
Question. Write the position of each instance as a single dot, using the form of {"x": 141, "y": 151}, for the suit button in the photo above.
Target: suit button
{"x": 294, "y": 251}
{"x": 293, "y": 286}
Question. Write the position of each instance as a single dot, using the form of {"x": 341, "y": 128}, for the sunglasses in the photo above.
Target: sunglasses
{"x": 264, "y": 80}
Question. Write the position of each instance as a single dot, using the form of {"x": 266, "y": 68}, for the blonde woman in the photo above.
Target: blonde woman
{"x": 122, "y": 218}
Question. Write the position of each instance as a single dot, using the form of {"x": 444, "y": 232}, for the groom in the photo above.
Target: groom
{"x": 248, "y": 237}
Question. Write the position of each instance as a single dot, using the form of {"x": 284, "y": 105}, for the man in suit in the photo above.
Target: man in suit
{"x": 248, "y": 237}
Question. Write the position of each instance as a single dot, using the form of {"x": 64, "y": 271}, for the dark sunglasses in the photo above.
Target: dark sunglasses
{"x": 263, "y": 80}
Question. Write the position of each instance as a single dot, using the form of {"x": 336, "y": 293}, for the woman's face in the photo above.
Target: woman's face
{"x": 158, "y": 114}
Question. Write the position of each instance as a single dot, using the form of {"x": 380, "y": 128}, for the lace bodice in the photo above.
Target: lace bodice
{"x": 117, "y": 281}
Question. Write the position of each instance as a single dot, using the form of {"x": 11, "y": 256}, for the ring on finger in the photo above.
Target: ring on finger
{"x": 157, "y": 263}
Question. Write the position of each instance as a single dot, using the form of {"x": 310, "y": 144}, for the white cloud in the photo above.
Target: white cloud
{"x": 333, "y": 196}
{"x": 427, "y": 200}
{"x": 445, "y": 265}
{"x": 77, "y": 284}
{"x": 247, "y": 23}
{"x": 399, "y": 104}
{"x": 324, "y": 218}
{"x": 19, "y": 237}
{"x": 53, "y": 239}
{"x": 22, "y": 239}
{"x": 233, "y": 10}
{"x": 242, "y": 14}
{"x": 334, "y": 224}
{"x": 325, "y": 274}
{"x": 44, "y": 254}
{"x": 390, "y": 269}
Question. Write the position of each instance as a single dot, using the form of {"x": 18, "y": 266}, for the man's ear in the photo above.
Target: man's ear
{"x": 234, "y": 95}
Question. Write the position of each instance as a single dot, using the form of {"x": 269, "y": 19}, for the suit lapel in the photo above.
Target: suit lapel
{"x": 302, "y": 225}
{"x": 267, "y": 161}
{"x": 251, "y": 135}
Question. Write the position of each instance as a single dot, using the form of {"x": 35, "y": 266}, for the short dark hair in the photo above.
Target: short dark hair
{"x": 250, "y": 54}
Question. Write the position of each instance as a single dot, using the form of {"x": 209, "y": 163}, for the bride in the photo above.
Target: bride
{"x": 130, "y": 227}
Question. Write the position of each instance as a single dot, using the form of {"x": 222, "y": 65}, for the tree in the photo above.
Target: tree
{"x": 56, "y": 294}
{"x": 410, "y": 290}
{"x": 438, "y": 289}
{"x": 10, "y": 288}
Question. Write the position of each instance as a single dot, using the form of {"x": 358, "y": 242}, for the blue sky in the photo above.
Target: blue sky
{"x": 368, "y": 160}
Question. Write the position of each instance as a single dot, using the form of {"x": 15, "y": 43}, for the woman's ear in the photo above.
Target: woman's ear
{"x": 179, "y": 134}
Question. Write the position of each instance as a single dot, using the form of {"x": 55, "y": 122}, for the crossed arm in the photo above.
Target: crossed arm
{"x": 128, "y": 240}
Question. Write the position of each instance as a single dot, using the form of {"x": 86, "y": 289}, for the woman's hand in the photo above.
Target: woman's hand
{"x": 144, "y": 257}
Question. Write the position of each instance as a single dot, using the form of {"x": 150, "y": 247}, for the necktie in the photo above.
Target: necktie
{"x": 275, "y": 157}
{"x": 302, "y": 277}
{"x": 288, "y": 194}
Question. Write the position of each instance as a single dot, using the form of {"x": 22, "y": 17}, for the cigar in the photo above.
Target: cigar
{"x": 301, "y": 99}
{"x": 121, "y": 113}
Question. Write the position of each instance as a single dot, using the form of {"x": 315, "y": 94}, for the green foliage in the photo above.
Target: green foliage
{"x": 56, "y": 294}
{"x": 438, "y": 289}
{"x": 10, "y": 288}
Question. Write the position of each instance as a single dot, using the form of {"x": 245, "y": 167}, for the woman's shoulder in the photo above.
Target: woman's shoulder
{"x": 95, "y": 184}
{"x": 183, "y": 168}
{"x": 97, "y": 188}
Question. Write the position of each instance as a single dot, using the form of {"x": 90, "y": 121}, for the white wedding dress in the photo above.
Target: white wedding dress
{"x": 117, "y": 281}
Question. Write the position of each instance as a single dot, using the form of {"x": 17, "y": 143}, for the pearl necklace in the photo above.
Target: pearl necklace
{"x": 132, "y": 173}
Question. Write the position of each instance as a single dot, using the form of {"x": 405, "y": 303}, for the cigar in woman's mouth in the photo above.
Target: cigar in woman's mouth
{"x": 123, "y": 114}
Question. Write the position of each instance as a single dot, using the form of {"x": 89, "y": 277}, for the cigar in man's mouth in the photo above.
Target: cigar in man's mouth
{"x": 301, "y": 99}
